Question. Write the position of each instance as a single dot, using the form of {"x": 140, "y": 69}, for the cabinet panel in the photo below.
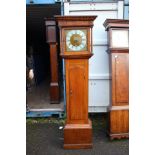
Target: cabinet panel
{"x": 119, "y": 121}
{"x": 120, "y": 78}
{"x": 76, "y": 78}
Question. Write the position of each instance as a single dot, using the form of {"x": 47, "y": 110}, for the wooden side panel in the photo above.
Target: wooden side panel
{"x": 120, "y": 79}
{"x": 54, "y": 82}
{"x": 119, "y": 121}
{"x": 54, "y": 63}
{"x": 77, "y": 87}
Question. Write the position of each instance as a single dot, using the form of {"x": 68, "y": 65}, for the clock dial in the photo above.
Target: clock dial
{"x": 76, "y": 40}
{"x": 120, "y": 38}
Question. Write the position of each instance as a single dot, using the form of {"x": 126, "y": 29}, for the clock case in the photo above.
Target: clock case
{"x": 75, "y": 23}
{"x": 119, "y": 85}
{"x": 52, "y": 40}
{"x": 78, "y": 128}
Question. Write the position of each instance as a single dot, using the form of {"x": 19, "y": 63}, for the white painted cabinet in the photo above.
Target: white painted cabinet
{"x": 99, "y": 77}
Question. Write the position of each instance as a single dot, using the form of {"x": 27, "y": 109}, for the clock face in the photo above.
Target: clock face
{"x": 76, "y": 40}
{"x": 120, "y": 38}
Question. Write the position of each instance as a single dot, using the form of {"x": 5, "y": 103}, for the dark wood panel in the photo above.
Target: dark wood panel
{"x": 51, "y": 39}
{"x": 54, "y": 84}
{"x": 120, "y": 78}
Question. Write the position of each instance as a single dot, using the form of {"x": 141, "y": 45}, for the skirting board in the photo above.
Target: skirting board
{"x": 97, "y": 109}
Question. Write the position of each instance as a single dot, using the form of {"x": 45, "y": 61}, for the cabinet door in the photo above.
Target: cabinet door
{"x": 77, "y": 90}
{"x": 120, "y": 79}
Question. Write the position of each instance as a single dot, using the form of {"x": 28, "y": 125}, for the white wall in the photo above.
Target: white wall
{"x": 98, "y": 64}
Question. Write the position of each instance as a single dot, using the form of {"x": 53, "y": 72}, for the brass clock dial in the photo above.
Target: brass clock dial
{"x": 76, "y": 40}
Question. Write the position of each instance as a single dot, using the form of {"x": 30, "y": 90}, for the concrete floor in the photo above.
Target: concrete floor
{"x": 38, "y": 97}
{"x": 45, "y": 138}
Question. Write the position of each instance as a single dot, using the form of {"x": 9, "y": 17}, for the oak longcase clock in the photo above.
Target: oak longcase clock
{"x": 118, "y": 50}
{"x": 76, "y": 49}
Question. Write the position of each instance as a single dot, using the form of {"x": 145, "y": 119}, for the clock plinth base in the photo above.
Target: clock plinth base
{"x": 54, "y": 93}
{"x": 119, "y": 136}
{"x": 119, "y": 122}
{"x": 78, "y": 136}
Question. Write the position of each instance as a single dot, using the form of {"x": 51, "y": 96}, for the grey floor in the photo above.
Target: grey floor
{"x": 38, "y": 97}
{"x": 45, "y": 138}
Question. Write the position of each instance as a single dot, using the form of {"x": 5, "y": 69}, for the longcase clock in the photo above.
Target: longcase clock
{"x": 76, "y": 49}
{"x": 51, "y": 39}
{"x": 118, "y": 49}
